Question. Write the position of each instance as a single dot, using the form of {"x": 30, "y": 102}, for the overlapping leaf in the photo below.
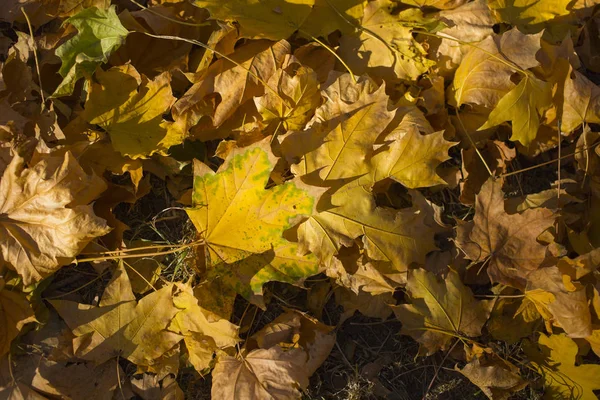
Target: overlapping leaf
{"x": 45, "y": 216}
{"x": 242, "y": 223}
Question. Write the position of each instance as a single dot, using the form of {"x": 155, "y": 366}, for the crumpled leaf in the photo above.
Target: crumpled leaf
{"x": 275, "y": 362}
{"x": 149, "y": 387}
{"x": 272, "y": 373}
{"x": 471, "y": 23}
{"x": 398, "y": 236}
{"x": 555, "y": 360}
{"x": 565, "y": 306}
{"x": 232, "y": 82}
{"x": 203, "y": 331}
{"x": 130, "y": 108}
{"x": 120, "y": 325}
{"x": 45, "y": 216}
{"x": 297, "y": 95}
{"x": 339, "y": 147}
{"x": 385, "y": 46}
{"x": 523, "y": 106}
{"x": 100, "y": 33}
{"x": 15, "y": 312}
{"x": 242, "y": 223}
{"x": 495, "y": 379}
{"x": 296, "y": 329}
{"x": 506, "y": 243}
{"x": 439, "y": 310}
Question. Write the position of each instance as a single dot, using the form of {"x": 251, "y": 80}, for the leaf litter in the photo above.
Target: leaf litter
{"x": 317, "y": 198}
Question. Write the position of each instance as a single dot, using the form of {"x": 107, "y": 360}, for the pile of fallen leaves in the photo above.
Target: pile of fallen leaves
{"x": 432, "y": 162}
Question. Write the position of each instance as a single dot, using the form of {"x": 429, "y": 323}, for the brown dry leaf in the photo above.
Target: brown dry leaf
{"x": 293, "y": 329}
{"x": 495, "y": 379}
{"x": 356, "y": 272}
{"x": 15, "y": 312}
{"x": 267, "y": 374}
{"x": 147, "y": 54}
{"x": 149, "y": 387}
{"x": 471, "y": 22}
{"x": 368, "y": 304}
{"x": 440, "y": 310}
{"x": 68, "y": 8}
{"x": 45, "y": 219}
{"x": 120, "y": 326}
{"x": 233, "y": 83}
{"x": 506, "y": 243}
{"x": 36, "y": 376}
{"x": 496, "y": 154}
{"x": 565, "y": 306}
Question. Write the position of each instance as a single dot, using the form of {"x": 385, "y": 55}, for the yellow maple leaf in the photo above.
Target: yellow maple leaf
{"x": 440, "y": 309}
{"x": 523, "y": 106}
{"x": 555, "y": 360}
{"x": 121, "y": 326}
{"x": 242, "y": 223}
{"x": 130, "y": 108}
{"x": 385, "y": 46}
{"x": 297, "y": 95}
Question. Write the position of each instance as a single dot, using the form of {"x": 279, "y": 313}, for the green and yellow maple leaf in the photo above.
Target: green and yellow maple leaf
{"x": 130, "y": 107}
{"x": 242, "y": 223}
{"x": 100, "y": 34}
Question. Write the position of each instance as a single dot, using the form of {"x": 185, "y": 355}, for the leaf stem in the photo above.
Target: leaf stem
{"x": 168, "y": 18}
{"x": 487, "y": 167}
{"x": 329, "y": 49}
{"x": 549, "y": 162}
{"x": 35, "y": 57}
{"x": 159, "y": 253}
